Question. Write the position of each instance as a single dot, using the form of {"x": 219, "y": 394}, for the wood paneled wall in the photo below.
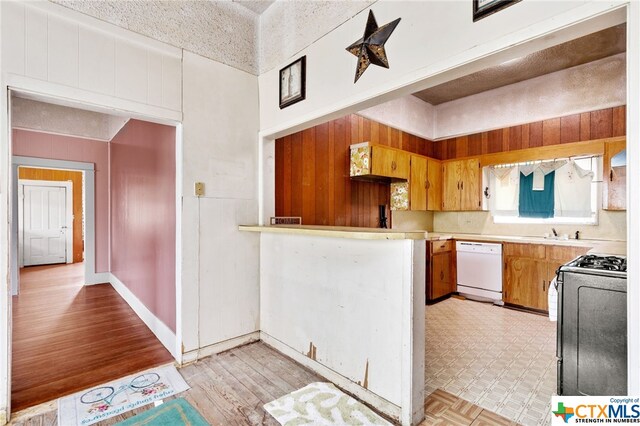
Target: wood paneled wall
{"x": 63, "y": 176}
{"x": 604, "y": 123}
{"x": 312, "y": 172}
{"x": 312, "y": 166}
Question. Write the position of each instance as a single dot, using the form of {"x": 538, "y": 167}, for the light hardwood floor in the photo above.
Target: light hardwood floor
{"x": 68, "y": 337}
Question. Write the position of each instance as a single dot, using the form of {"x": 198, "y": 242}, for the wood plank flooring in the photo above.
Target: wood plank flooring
{"x": 68, "y": 337}
{"x": 229, "y": 388}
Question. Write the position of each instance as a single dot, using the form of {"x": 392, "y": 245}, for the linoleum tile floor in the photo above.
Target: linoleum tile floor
{"x": 499, "y": 359}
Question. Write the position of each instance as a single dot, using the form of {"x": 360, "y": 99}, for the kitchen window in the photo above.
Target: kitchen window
{"x": 559, "y": 191}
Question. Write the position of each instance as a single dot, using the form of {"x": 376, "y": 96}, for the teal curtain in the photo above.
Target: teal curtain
{"x": 536, "y": 203}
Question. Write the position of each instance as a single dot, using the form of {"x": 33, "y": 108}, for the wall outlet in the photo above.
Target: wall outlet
{"x": 199, "y": 189}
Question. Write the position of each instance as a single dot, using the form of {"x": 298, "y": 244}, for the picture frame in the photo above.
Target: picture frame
{"x": 292, "y": 87}
{"x": 484, "y": 8}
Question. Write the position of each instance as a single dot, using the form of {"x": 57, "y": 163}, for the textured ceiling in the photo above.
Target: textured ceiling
{"x": 256, "y": 6}
{"x": 30, "y": 114}
{"x": 566, "y": 55}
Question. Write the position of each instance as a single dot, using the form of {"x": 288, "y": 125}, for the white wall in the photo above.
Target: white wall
{"x": 406, "y": 113}
{"x": 220, "y": 264}
{"x": 353, "y": 300}
{"x": 287, "y": 27}
{"x": 596, "y": 85}
{"x": 433, "y": 37}
{"x": 48, "y": 47}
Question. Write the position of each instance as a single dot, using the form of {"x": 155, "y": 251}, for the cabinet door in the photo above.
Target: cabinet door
{"x": 389, "y": 162}
{"x": 418, "y": 183}
{"x": 434, "y": 185}
{"x": 441, "y": 274}
{"x": 525, "y": 282}
{"x": 470, "y": 185}
{"x": 559, "y": 255}
{"x": 451, "y": 173}
{"x": 615, "y": 177}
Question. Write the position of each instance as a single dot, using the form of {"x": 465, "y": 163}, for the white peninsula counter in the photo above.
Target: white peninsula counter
{"x": 349, "y": 304}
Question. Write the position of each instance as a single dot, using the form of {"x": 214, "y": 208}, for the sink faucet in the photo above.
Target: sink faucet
{"x": 555, "y": 233}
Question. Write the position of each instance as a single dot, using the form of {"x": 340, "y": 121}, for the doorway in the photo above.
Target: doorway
{"x": 85, "y": 311}
{"x": 49, "y": 216}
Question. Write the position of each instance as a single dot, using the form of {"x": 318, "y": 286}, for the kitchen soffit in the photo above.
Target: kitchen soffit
{"x": 580, "y": 51}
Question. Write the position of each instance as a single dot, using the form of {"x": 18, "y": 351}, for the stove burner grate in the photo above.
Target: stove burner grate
{"x": 608, "y": 263}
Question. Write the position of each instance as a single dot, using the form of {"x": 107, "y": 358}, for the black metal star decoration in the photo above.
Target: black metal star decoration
{"x": 370, "y": 48}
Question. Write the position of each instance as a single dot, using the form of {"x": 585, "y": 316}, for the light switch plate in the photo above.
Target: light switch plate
{"x": 199, "y": 189}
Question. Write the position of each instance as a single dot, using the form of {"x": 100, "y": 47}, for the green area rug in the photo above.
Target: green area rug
{"x": 172, "y": 413}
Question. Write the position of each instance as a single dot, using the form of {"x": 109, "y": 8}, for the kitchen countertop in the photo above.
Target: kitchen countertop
{"x": 597, "y": 246}
{"x": 338, "y": 232}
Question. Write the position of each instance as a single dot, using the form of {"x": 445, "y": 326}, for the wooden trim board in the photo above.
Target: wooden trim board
{"x": 573, "y": 149}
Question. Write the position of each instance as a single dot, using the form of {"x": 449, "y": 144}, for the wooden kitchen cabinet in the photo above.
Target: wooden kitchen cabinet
{"x": 440, "y": 277}
{"x": 614, "y": 174}
{"x": 389, "y": 162}
{"x": 379, "y": 163}
{"x": 529, "y": 270}
{"x": 434, "y": 185}
{"x": 425, "y": 184}
{"x": 524, "y": 282}
{"x": 461, "y": 185}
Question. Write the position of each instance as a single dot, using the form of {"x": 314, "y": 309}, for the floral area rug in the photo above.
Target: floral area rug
{"x": 322, "y": 404}
{"x": 117, "y": 397}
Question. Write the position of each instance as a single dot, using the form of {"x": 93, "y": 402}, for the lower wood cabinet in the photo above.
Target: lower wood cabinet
{"x": 440, "y": 276}
{"x": 529, "y": 269}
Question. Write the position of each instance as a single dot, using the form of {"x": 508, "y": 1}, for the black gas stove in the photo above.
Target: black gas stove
{"x": 592, "y": 326}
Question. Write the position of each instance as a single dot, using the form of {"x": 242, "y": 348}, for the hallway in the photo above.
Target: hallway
{"x": 68, "y": 337}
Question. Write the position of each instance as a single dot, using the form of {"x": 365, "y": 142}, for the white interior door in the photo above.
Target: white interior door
{"x": 44, "y": 230}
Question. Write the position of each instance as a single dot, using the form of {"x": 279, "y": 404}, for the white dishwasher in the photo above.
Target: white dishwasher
{"x": 479, "y": 270}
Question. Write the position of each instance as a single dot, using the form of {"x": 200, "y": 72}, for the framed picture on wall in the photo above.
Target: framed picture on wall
{"x": 484, "y": 8}
{"x": 293, "y": 82}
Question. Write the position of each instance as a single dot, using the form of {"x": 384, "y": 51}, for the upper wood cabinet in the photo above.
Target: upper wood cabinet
{"x": 379, "y": 163}
{"x": 461, "y": 185}
{"x": 425, "y": 184}
{"x": 614, "y": 176}
{"x": 390, "y": 162}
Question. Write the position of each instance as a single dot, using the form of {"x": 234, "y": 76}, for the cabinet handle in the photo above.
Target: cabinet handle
{"x": 427, "y": 184}
{"x": 462, "y": 185}
{"x": 543, "y": 283}
{"x": 611, "y": 175}
{"x": 393, "y": 165}
{"x": 458, "y": 185}
{"x": 441, "y": 275}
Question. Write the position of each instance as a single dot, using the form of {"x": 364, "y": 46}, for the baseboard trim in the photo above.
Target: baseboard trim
{"x": 98, "y": 278}
{"x": 216, "y": 348}
{"x": 157, "y": 327}
{"x": 365, "y": 395}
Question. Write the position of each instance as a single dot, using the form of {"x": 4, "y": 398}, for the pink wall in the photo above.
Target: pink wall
{"x": 43, "y": 145}
{"x": 143, "y": 215}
